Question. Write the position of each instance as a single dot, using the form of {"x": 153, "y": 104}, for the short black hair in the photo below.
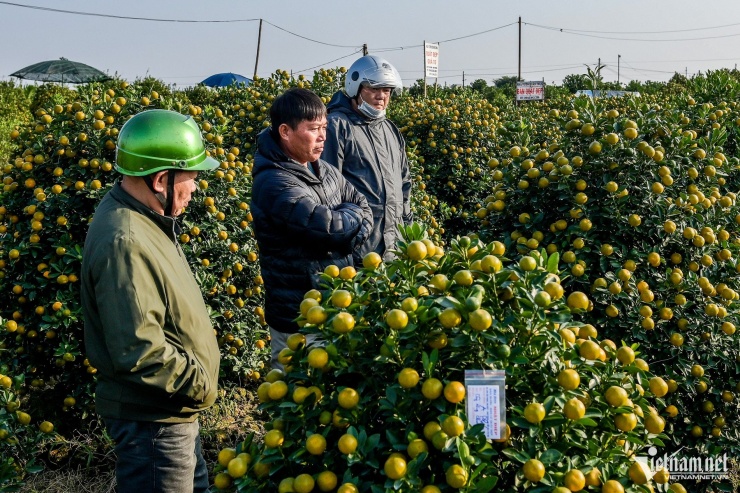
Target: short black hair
{"x": 294, "y": 106}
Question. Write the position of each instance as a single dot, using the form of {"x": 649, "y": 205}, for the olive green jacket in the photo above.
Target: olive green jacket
{"x": 147, "y": 328}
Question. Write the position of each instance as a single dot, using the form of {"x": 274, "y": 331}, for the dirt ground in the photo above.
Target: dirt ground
{"x": 85, "y": 463}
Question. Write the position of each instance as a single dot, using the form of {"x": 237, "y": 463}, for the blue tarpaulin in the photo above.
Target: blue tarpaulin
{"x": 226, "y": 79}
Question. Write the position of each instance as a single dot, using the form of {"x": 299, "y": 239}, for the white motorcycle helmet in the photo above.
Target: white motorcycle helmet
{"x": 373, "y": 71}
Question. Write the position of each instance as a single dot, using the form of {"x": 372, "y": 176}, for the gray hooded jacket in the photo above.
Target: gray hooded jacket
{"x": 371, "y": 154}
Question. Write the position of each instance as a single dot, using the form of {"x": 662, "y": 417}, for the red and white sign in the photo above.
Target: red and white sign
{"x": 530, "y": 90}
{"x": 431, "y": 60}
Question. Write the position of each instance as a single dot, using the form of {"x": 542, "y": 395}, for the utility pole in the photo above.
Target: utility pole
{"x": 364, "y": 49}
{"x": 618, "y": 59}
{"x": 519, "y": 73}
{"x": 424, "y": 68}
{"x": 259, "y": 41}
{"x": 463, "y": 79}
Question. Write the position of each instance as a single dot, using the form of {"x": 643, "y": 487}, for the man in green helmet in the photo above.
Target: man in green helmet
{"x": 147, "y": 329}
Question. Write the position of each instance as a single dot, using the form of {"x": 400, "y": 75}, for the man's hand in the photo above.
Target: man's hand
{"x": 362, "y": 235}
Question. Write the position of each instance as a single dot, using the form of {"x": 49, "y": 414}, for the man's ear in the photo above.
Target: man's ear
{"x": 283, "y": 131}
{"x": 159, "y": 181}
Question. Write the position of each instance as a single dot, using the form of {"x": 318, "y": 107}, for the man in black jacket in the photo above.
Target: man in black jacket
{"x": 306, "y": 215}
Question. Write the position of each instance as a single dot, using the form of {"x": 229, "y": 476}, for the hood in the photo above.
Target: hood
{"x": 269, "y": 155}
{"x": 341, "y": 103}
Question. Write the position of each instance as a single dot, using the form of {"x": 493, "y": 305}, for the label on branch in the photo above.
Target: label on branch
{"x": 486, "y": 400}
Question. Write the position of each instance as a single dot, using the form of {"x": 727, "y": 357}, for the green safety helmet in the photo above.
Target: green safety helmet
{"x": 158, "y": 140}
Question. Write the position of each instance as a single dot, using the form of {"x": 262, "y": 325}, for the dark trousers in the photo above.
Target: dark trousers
{"x": 158, "y": 457}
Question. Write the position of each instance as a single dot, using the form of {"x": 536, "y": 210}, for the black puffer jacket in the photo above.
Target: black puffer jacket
{"x": 371, "y": 154}
{"x": 303, "y": 222}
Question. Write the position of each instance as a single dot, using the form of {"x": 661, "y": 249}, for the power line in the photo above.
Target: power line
{"x": 330, "y": 61}
{"x": 395, "y": 48}
{"x": 471, "y": 70}
{"x": 150, "y": 19}
{"x": 635, "y": 32}
{"x": 477, "y": 34}
{"x": 650, "y": 70}
{"x": 641, "y": 70}
{"x": 93, "y": 14}
{"x": 309, "y": 39}
{"x": 111, "y": 16}
{"x": 568, "y": 65}
{"x": 509, "y": 72}
{"x": 575, "y": 33}
{"x": 687, "y": 60}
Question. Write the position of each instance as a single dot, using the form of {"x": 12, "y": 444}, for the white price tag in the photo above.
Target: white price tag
{"x": 483, "y": 408}
{"x": 486, "y": 400}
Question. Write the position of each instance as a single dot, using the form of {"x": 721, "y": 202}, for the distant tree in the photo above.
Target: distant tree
{"x": 153, "y": 84}
{"x": 507, "y": 85}
{"x": 506, "y": 81}
{"x": 499, "y": 99}
{"x": 611, "y": 86}
{"x": 678, "y": 79}
{"x": 575, "y": 82}
{"x": 552, "y": 91}
{"x": 479, "y": 85}
{"x": 635, "y": 86}
{"x": 647, "y": 87}
{"x": 418, "y": 88}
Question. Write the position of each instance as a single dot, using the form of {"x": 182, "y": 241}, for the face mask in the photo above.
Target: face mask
{"x": 370, "y": 111}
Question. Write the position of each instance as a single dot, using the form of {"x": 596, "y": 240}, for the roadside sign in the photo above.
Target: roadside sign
{"x": 530, "y": 90}
{"x": 431, "y": 60}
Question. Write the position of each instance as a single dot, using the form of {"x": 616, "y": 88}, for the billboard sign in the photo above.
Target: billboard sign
{"x": 530, "y": 90}
{"x": 431, "y": 60}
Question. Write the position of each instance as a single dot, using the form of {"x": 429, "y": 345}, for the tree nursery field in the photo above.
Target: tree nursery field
{"x": 587, "y": 249}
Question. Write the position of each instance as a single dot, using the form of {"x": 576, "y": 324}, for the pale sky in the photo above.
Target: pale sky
{"x": 655, "y": 38}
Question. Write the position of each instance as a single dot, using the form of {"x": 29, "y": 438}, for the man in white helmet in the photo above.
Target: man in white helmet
{"x": 369, "y": 150}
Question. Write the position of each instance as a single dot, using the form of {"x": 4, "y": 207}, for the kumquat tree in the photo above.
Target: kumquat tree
{"x": 584, "y": 249}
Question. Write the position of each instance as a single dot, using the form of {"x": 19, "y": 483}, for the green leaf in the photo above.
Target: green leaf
{"x": 392, "y": 437}
{"x": 548, "y": 403}
{"x": 34, "y": 468}
{"x": 553, "y": 421}
{"x": 449, "y": 302}
{"x": 631, "y": 437}
{"x": 463, "y": 450}
{"x": 593, "y": 413}
{"x": 552, "y": 263}
{"x": 550, "y": 456}
{"x": 391, "y": 394}
{"x": 485, "y": 485}
{"x": 519, "y": 456}
{"x": 520, "y": 422}
{"x": 560, "y": 318}
{"x": 587, "y": 422}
